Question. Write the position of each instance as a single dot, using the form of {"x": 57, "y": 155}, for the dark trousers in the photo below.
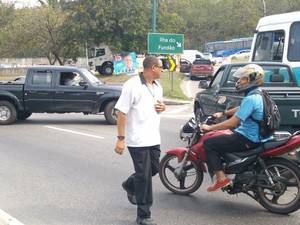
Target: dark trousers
{"x": 146, "y": 165}
{"x": 215, "y": 147}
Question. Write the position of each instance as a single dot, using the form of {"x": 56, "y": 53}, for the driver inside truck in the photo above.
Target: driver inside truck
{"x": 71, "y": 79}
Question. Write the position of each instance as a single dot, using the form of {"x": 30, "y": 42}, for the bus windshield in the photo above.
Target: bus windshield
{"x": 269, "y": 46}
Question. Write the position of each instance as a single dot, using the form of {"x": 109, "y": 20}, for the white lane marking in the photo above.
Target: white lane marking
{"x": 75, "y": 132}
{"x": 8, "y": 219}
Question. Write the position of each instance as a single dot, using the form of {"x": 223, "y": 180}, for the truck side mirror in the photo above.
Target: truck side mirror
{"x": 203, "y": 84}
{"x": 221, "y": 100}
{"x": 83, "y": 84}
{"x": 165, "y": 64}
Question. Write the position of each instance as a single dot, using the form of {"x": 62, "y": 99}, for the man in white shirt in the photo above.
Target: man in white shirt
{"x": 138, "y": 124}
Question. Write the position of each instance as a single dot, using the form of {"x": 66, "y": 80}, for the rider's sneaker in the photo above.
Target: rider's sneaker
{"x": 218, "y": 185}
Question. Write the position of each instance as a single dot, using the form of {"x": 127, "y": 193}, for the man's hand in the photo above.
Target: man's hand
{"x": 205, "y": 127}
{"x": 120, "y": 146}
{"x": 159, "y": 106}
{"x": 219, "y": 115}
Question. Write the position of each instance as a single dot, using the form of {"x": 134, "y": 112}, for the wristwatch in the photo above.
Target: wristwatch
{"x": 121, "y": 137}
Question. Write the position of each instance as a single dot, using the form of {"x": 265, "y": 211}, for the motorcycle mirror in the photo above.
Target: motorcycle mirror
{"x": 221, "y": 99}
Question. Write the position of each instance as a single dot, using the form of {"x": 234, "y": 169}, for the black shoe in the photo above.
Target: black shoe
{"x": 130, "y": 195}
{"x": 145, "y": 221}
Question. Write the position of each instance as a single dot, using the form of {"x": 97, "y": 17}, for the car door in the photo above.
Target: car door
{"x": 74, "y": 98}
{"x": 39, "y": 91}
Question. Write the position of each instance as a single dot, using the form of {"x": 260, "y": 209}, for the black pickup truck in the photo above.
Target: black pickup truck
{"x": 45, "y": 91}
{"x": 280, "y": 83}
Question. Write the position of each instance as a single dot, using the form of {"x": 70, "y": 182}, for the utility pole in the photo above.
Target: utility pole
{"x": 265, "y": 9}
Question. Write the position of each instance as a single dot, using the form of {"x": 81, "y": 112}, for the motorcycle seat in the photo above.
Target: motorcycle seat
{"x": 250, "y": 152}
{"x": 276, "y": 142}
{"x": 265, "y": 146}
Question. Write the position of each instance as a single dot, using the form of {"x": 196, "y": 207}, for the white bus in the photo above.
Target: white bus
{"x": 277, "y": 38}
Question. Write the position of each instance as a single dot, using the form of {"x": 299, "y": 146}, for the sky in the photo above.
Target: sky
{"x": 22, "y": 3}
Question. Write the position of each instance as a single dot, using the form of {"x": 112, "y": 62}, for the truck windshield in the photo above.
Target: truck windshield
{"x": 91, "y": 77}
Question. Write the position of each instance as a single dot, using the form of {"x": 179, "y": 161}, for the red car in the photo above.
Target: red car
{"x": 202, "y": 68}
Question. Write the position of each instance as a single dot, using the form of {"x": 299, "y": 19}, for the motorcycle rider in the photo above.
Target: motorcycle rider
{"x": 245, "y": 135}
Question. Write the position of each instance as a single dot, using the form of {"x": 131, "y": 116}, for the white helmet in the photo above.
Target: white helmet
{"x": 254, "y": 75}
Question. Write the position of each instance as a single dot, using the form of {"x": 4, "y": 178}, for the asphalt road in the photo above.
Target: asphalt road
{"x": 61, "y": 169}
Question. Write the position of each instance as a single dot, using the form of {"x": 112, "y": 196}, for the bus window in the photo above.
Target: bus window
{"x": 294, "y": 43}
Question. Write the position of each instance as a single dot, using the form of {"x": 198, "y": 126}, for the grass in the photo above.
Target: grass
{"x": 171, "y": 88}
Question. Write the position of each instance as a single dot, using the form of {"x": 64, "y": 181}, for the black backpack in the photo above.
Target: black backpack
{"x": 271, "y": 118}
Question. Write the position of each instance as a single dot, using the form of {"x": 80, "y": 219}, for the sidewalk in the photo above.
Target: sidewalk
{"x": 6, "y": 219}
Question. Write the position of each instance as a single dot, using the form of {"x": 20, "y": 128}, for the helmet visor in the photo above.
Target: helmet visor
{"x": 240, "y": 73}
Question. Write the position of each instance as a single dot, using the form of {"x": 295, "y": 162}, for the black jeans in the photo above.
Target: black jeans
{"x": 146, "y": 165}
{"x": 214, "y": 148}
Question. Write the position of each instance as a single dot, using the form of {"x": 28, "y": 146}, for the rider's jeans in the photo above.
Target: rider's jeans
{"x": 214, "y": 148}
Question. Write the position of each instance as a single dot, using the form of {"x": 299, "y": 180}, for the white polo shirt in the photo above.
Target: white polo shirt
{"x": 142, "y": 121}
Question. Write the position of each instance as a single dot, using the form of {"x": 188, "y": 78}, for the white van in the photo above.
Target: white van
{"x": 191, "y": 55}
{"x": 277, "y": 38}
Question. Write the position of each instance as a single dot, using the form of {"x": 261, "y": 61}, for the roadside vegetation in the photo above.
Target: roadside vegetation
{"x": 61, "y": 30}
{"x": 165, "y": 80}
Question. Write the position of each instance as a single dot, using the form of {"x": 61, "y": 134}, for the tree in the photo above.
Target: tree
{"x": 61, "y": 29}
{"x": 6, "y": 16}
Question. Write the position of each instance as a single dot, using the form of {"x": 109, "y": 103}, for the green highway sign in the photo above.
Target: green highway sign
{"x": 159, "y": 43}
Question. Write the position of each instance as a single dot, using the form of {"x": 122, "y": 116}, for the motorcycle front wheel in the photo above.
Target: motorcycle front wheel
{"x": 284, "y": 197}
{"x": 185, "y": 183}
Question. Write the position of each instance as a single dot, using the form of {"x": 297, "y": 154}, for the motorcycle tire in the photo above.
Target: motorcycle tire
{"x": 285, "y": 197}
{"x": 187, "y": 183}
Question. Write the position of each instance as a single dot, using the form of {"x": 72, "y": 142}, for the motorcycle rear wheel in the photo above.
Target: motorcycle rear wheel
{"x": 185, "y": 184}
{"x": 285, "y": 198}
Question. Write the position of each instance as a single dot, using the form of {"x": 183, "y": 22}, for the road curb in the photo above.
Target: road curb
{"x": 176, "y": 102}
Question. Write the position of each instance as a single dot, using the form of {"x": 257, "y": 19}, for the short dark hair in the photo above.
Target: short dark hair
{"x": 150, "y": 61}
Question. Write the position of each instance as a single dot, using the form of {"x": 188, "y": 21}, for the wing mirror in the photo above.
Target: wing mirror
{"x": 203, "y": 84}
{"x": 83, "y": 84}
{"x": 221, "y": 100}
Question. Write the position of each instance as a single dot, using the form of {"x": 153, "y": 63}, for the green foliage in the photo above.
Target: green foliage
{"x": 60, "y": 30}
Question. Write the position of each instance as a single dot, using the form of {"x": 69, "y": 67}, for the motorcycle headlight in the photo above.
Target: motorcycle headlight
{"x": 187, "y": 129}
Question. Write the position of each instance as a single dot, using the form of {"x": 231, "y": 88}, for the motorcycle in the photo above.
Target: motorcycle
{"x": 261, "y": 173}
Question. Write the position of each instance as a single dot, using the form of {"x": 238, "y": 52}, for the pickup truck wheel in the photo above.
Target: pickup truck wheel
{"x": 24, "y": 115}
{"x": 109, "y": 114}
{"x": 8, "y": 113}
